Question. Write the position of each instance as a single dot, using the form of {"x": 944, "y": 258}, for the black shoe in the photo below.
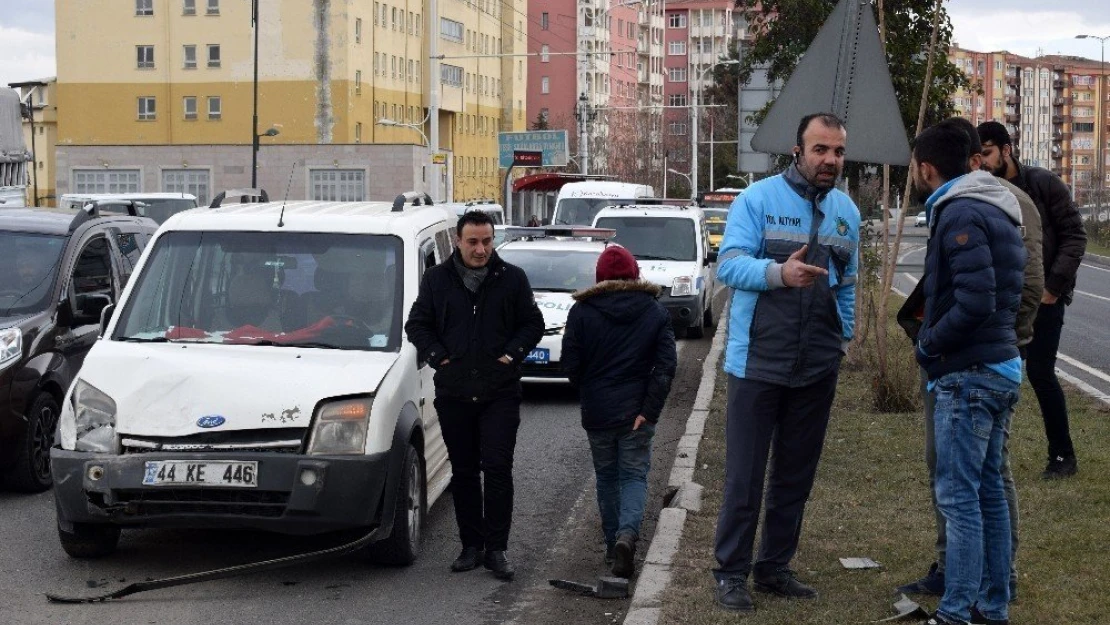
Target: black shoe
{"x": 468, "y": 560}
{"x": 624, "y": 556}
{"x": 498, "y": 562}
{"x": 937, "y": 619}
{"x": 977, "y": 618}
{"x": 932, "y": 584}
{"x": 1060, "y": 467}
{"x": 609, "y": 555}
{"x": 784, "y": 583}
{"x": 733, "y": 595}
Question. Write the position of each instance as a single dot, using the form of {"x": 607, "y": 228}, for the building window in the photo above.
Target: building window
{"x": 358, "y": 132}
{"x": 358, "y": 81}
{"x": 213, "y": 55}
{"x": 194, "y": 181}
{"x": 145, "y": 56}
{"x": 676, "y": 48}
{"x": 189, "y": 105}
{"x": 146, "y": 108}
{"x": 545, "y": 85}
{"x": 677, "y": 74}
{"x": 105, "y": 181}
{"x": 376, "y": 9}
{"x": 677, "y": 128}
{"x": 417, "y": 78}
{"x": 215, "y": 109}
{"x": 545, "y": 53}
{"x": 545, "y": 21}
{"x": 189, "y": 57}
{"x": 676, "y": 20}
{"x": 452, "y": 30}
{"x": 358, "y": 29}
{"x": 213, "y": 7}
{"x": 337, "y": 185}
{"x": 411, "y": 75}
{"x": 189, "y": 7}
{"x": 676, "y": 99}
{"x": 393, "y": 18}
{"x": 144, "y": 7}
{"x": 451, "y": 75}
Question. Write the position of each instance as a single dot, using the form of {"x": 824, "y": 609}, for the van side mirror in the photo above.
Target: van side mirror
{"x": 89, "y": 307}
{"x": 711, "y": 257}
{"x": 105, "y": 317}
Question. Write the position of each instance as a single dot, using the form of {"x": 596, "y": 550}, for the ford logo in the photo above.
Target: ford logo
{"x": 211, "y": 421}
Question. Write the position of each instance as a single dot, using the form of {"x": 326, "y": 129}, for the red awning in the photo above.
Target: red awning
{"x": 550, "y": 181}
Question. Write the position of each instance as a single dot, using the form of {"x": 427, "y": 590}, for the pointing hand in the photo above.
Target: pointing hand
{"x": 796, "y": 273}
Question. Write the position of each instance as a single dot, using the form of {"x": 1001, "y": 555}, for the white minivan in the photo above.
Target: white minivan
{"x": 255, "y": 374}
{"x": 578, "y": 202}
{"x": 489, "y": 207}
{"x": 671, "y": 245}
{"x": 157, "y": 206}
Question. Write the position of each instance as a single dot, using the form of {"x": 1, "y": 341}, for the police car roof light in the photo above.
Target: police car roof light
{"x": 542, "y": 232}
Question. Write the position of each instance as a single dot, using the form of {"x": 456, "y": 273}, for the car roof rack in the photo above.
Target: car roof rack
{"x": 479, "y": 202}
{"x": 418, "y": 198}
{"x": 244, "y": 196}
{"x": 547, "y": 232}
{"x": 91, "y": 210}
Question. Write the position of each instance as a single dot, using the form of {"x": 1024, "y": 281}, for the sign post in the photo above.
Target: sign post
{"x": 532, "y": 148}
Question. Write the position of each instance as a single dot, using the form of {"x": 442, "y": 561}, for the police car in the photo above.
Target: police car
{"x": 558, "y": 260}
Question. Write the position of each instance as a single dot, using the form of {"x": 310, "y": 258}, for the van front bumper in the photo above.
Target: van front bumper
{"x": 685, "y": 310}
{"x": 296, "y": 494}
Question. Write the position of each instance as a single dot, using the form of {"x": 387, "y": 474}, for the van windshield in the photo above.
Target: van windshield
{"x": 334, "y": 291}
{"x": 655, "y": 238}
{"x": 580, "y": 211}
{"x": 28, "y": 266}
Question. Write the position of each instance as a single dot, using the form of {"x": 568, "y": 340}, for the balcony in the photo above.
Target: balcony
{"x": 1012, "y": 118}
{"x": 644, "y": 18}
{"x": 1059, "y": 83}
{"x": 1012, "y": 78}
{"x": 1057, "y": 119}
{"x": 1059, "y": 101}
{"x": 643, "y": 47}
{"x": 1013, "y": 99}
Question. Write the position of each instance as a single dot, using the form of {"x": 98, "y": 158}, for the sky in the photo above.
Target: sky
{"x": 1023, "y": 27}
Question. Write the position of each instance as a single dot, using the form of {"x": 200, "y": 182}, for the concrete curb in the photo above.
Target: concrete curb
{"x": 656, "y": 574}
{"x": 1095, "y": 259}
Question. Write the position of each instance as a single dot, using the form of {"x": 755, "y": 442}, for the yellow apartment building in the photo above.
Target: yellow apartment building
{"x": 157, "y": 95}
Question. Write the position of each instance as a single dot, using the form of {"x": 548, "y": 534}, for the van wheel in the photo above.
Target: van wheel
{"x": 89, "y": 540}
{"x": 695, "y": 331}
{"x": 31, "y": 471}
{"x": 707, "y": 318}
{"x": 403, "y": 545}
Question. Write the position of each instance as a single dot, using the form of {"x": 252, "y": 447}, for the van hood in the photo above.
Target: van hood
{"x": 163, "y": 389}
{"x": 663, "y": 272}
{"x": 555, "y": 306}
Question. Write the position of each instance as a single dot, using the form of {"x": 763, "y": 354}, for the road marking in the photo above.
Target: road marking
{"x": 1105, "y": 299}
{"x": 1096, "y": 268}
{"x": 1084, "y": 367}
{"x": 1083, "y": 386}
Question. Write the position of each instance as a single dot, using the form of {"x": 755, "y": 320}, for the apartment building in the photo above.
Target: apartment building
{"x": 157, "y": 95}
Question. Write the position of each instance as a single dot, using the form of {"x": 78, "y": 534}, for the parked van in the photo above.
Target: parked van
{"x": 255, "y": 374}
{"x": 579, "y": 202}
{"x": 489, "y": 207}
{"x": 157, "y": 206}
{"x": 671, "y": 245}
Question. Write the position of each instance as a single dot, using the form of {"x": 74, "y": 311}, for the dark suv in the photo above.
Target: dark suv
{"x": 58, "y": 271}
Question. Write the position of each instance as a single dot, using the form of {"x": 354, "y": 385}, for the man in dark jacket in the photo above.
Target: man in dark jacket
{"x": 974, "y": 270}
{"x": 618, "y": 349}
{"x": 474, "y": 320}
{"x": 1064, "y": 243}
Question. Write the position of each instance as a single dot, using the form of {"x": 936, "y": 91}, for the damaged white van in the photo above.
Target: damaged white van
{"x": 256, "y": 375}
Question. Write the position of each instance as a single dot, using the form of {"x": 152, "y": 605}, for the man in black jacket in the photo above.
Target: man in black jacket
{"x": 474, "y": 320}
{"x": 1065, "y": 242}
{"x": 618, "y": 349}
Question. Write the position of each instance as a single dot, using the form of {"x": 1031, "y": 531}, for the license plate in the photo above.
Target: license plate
{"x": 539, "y": 355}
{"x": 201, "y": 473}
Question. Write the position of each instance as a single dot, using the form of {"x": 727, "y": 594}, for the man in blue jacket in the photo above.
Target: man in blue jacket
{"x": 974, "y": 271}
{"x": 790, "y": 255}
{"x": 618, "y": 349}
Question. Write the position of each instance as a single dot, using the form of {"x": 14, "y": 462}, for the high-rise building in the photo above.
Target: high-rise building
{"x": 157, "y": 95}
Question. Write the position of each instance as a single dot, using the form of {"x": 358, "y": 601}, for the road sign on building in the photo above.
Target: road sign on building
{"x": 551, "y": 143}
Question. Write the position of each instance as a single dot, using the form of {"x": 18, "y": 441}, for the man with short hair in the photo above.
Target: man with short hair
{"x": 974, "y": 270}
{"x": 790, "y": 252}
{"x": 909, "y": 318}
{"x": 1064, "y": 244}
{"x": 474, "y": 320}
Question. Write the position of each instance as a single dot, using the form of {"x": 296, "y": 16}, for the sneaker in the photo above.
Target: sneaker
{"x": 498, "y": 562}
{"x": 977, "y": 618}
{"x": 1060, "y": 467}
{"x": 467, "y": 561}
{"x": 624, "y": 556}
{"x": 932, "y": 584}
{"x": 784, "y": 583}
{"x": 733, "y": 595}
{"x": 937, "y": 619}
{"x": 609, "y": 555}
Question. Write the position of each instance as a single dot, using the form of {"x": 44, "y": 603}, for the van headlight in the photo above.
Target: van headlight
{"x": 340, "y": 427}
{"x": 94, "y": 415}
{"x": 683, "y": 285}
{"x": 11, "y": 346}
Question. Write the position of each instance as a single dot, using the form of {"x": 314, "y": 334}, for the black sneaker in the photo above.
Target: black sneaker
{"x": 468, "y": 560}
{"x": 498, "y": 562}
{"x": 784, "y": 583}
{"x": 1060, "y": 467}
{"x": 937, "y": 619}
{"x": 932, "y": 584}
{"x": 609, "y": 555}
{"x": 624, "y": 556}
{"x": 977, "y": 618}
{"x": 733, "y": 595}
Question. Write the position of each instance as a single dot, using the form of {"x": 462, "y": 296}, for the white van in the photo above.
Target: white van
{"x": 157, "y": 206}
{"x": 489, "y": 207}
{"x": 255, "y": 374}
{"x": 578, "y": 202}
{"x": 671, "y": 245}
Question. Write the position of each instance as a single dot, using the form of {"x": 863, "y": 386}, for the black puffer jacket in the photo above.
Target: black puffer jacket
{"x": 618, "y": 348}
{"x": 1064, "y": 239}
{"x": 474, "y": 330}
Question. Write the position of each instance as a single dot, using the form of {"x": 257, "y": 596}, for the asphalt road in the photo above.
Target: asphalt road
{"x": 555, "y": 534}
{"x": 1084, "y": 356}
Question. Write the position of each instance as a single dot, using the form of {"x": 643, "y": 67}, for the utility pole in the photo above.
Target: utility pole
{"x": 34, "y": 153}
{"x": 254, "y": 125}
{"x": 432, "y": 32}
{"x": 584, "y": 113}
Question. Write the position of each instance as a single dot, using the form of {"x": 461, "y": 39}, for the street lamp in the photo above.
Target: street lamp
{"x": 693, "y": 193}
{"x": 1100, "y": 120}
{"x": 585, "y": 114}
{"x": 271, "y": 132}
{"x": 254, "y": 126}
{"x": 694, "y": 119}
{"x": 418, "y": 127}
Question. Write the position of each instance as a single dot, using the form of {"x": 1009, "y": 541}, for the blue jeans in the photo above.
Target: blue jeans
{"x": 622, "y": 459}
{"x": 973, "y": 409}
